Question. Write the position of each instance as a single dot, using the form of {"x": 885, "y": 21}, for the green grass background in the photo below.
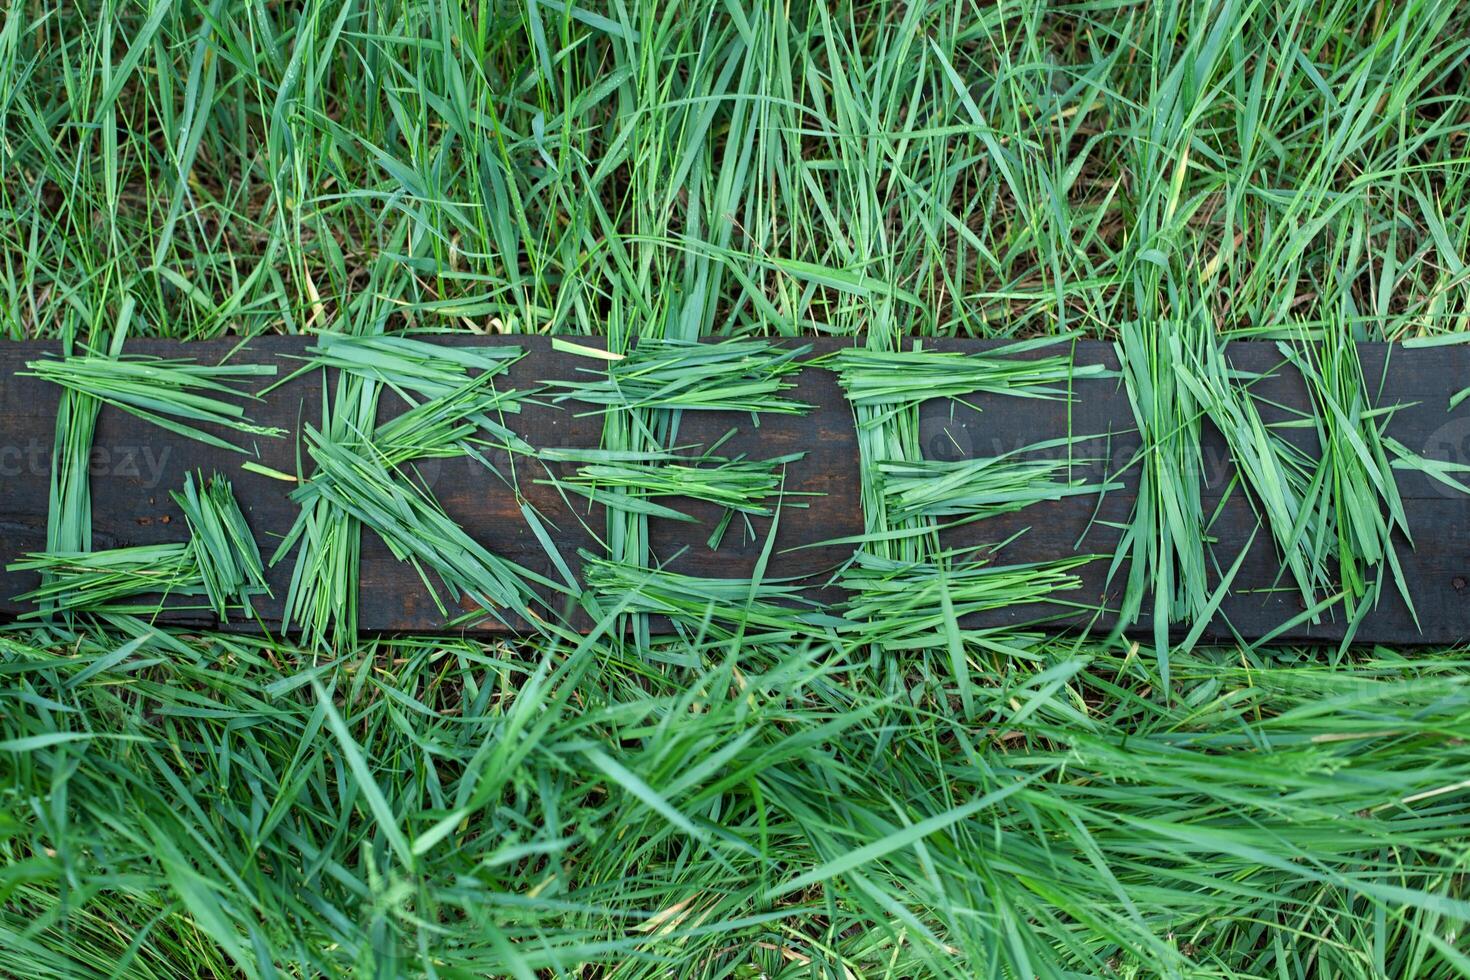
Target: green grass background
{"x": 211, "y": 806}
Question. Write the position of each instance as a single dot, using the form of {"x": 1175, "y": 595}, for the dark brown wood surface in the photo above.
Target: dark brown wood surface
{"x": 136, "y": 464}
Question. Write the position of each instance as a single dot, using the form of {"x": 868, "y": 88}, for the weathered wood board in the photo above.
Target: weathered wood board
{"x": 135, "y": 465}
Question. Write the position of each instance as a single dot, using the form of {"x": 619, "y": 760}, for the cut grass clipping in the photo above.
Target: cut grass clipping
{"x": 1164, "y": 541}
{"x": 886, "y": 388}
{"x": 112, "y": 579}
{"x": 772, "y": 611}
{"x": 1355, "y": 509}
{"x": 363, "y": 478}
{"x": 728, "y": 376}
{"x": 966, "y": 490}
{"x": 1333, "y": 509}
{"x": 913, "y": 605}
{"x": 907, "y": 590}
{"x": 420, "y": 372}
{"x": 222, "y": 545}
{"x": 358, "y": 481}
{"x": 175, "y": 394}
{"x": 627, "y": 482}
{"x": 642, "y": 394}
{"x": 220, "y": 561}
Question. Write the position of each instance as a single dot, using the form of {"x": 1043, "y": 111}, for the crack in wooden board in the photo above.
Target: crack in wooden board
{"x": 136, "y": 464}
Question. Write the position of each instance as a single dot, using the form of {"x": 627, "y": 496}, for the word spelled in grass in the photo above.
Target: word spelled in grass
{"x": 869, "y": 788}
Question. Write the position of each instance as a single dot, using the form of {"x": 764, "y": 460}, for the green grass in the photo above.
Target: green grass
{"x": 362, "y": 479}
{"x": 172, "y": 393}
{"x": 220, "y": 562}
{"x": 979, "y": 487}
{"x": 771, "y": 790}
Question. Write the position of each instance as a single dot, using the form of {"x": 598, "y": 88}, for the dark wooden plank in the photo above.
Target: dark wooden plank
{"x": 136, "y": 464}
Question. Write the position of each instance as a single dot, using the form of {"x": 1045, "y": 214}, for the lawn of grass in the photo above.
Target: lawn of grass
{"x": 736, "y": 801}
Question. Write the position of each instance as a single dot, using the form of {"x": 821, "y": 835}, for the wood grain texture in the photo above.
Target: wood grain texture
{"x": 135, "y": 465}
